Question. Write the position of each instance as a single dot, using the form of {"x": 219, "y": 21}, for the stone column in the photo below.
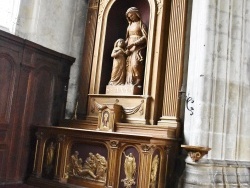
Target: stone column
{"x": 218, "y": 82}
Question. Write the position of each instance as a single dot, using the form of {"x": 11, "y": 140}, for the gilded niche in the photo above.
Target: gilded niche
{"x": 130, "y": 170}
{"x": 94, "y": 167}
{"x": 50, "y": 153}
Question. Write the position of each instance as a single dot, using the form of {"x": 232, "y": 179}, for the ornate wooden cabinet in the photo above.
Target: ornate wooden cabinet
{"x": 64, "y": 156}
{"x": 33, "y": 83}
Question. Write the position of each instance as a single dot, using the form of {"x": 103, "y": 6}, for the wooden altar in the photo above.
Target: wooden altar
{"x": 125, "y": 135}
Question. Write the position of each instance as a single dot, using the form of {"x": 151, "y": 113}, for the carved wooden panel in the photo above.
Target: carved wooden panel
{"x": 43, "y": 96}
{"x": 126, "y": 159}
{"x": 6, "y": 86}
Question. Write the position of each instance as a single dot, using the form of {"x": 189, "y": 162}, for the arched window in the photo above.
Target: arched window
{"x": 8, "y": 15}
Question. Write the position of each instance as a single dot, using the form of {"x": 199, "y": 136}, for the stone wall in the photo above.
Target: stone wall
{"x": 58, "y": 25}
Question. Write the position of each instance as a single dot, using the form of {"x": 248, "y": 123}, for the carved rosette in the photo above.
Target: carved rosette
{"x": 94, "y": 168}
{"x": 146, "y": 148}
{"x": 114, "y": 143}
{"x": 39, "y": 135}
{"x": 95, "y": 105}
{"x": 61, "y": 137}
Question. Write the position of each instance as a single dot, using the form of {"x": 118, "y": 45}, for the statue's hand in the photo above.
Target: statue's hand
{"x": 127, "y": 52}
{"x": 130, "y": 46}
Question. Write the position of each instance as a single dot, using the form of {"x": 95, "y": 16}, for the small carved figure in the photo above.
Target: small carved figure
{"x": 101, "y": 166}
{"x": 50, "y": 151}
{"x": 136, "y": 42}
{"x": 129, "y": 169}
{"x": 154, "y": 170}
{"x": 89, "y": 166}
{"x": 74, "y": 163}
{"x": 119, "y": 62}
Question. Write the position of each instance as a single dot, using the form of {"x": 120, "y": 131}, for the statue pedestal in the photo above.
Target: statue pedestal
{"x": 123, "y": 90}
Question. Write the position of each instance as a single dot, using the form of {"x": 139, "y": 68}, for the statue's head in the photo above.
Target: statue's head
{"x": 133, "y": 14}
{"x": 119, "y": 43}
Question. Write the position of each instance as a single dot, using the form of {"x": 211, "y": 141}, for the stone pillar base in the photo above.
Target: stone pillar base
{"x": 216, "y": 174}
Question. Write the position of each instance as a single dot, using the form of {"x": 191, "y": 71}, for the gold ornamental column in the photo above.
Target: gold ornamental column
{"x": 112, "y": 172}
{"x": 145, "y": 168}
{"x": 60, "y": 158}
{"x": 174, "y": 64}
{"x": 38, "y": 161}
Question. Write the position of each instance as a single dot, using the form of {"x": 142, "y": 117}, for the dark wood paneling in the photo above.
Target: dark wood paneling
{"x": 32, "y": 81}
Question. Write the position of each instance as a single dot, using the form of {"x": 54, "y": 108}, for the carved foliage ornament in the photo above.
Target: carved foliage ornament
{"x": 159, "y": 6}
{"x": 94, "y": 168}
{"x": 103, "y": 4}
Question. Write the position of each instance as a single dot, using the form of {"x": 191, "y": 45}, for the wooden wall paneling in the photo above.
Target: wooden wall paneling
{"x": 20, "y": 146}
{"x": 32, "y": 81}
{"x": 10, "y": 59}
{"x": 113, "y": 156}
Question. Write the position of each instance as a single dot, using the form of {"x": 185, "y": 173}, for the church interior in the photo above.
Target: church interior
{"x": 124, "y": 94}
